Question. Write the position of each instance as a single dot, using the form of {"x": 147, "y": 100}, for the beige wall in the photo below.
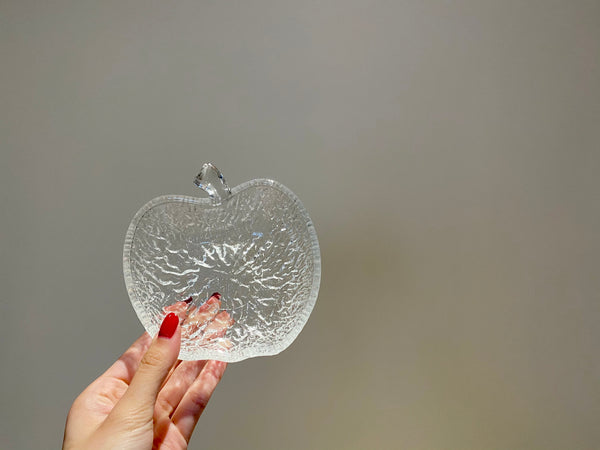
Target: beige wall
{"x": 448, "y": 153}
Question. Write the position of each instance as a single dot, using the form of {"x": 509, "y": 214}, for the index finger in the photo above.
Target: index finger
{"x": 125, "y": 367}
{"x": 194, "y": 402}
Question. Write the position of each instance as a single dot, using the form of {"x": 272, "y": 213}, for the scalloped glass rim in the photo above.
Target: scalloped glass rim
{"x": 153, "y": 327}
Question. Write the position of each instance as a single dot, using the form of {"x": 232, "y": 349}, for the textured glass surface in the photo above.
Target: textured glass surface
{"x": 255, "y": 245}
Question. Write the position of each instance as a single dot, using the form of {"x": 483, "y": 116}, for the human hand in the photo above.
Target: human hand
{"x": 205, "y": 324}
{"x": 146, "y": 399}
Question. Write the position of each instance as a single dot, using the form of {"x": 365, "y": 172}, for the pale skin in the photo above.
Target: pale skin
{"x": 147, "y": 399}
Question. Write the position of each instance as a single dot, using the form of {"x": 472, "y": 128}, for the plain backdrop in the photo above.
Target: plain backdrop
{"x": 447, "y": 151}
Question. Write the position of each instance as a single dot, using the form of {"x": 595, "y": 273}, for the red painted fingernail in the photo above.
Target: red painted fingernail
{"x": 169, "y": 325}
{"x": 216, "y": 294}
{"x": 189, "y": 300}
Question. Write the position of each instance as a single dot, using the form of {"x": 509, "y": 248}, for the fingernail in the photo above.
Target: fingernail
{"x": 169, "y": 325}
{"x": 189, "y": 300}
{"x": 216, "y": 294}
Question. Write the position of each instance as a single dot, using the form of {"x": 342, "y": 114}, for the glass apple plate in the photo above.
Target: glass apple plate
{"x": 254, "y": 245}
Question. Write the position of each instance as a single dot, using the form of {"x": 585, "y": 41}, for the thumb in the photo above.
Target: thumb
{"x": 140, "y": 397}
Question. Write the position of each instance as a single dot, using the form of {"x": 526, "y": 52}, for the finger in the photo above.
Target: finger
{"x": 195, "y": 400}
{"x": 218, "y": 326}
{"x": 154, "y": 367}
{"x": 125, "y": 367}
{"x": 175, "y": 366}
{"x": 200, "y": 316}
{"x": 176, "y": 386}
{"x": 180, "y": 308}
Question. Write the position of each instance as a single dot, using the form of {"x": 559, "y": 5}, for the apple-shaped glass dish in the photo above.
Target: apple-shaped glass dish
{"x": 254, "y": 245}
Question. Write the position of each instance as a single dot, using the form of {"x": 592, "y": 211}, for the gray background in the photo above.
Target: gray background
{"x": 448, "y": 153}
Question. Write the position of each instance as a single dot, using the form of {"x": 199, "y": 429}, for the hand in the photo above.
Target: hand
{"x": 146, "y": 399}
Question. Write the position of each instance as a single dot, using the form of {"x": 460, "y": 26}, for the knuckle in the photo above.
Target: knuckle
{"x": 152, "y": 358}
{"x": 164, "y": 405}
{"x": 199, "y": 401}
{"x": 135, "y": 420}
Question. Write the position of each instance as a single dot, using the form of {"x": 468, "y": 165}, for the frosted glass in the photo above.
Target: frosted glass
{"x": 254, "y": 244}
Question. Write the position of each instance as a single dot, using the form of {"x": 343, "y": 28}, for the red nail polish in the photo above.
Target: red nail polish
{"x": 189, "y": 300}
{"x": 216, "y": 294}
{"x": 169, "y": 325}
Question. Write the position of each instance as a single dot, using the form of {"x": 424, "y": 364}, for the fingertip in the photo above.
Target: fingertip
{"x": 169, "y": 326}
